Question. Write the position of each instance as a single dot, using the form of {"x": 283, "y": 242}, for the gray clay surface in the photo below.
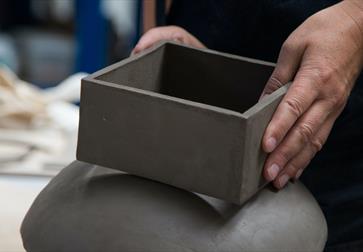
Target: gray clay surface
{"x": 186, "y": 117}
{"x": 90, "y": 208}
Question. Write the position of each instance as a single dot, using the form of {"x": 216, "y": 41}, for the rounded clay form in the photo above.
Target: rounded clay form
{"x": 91, "y": 208}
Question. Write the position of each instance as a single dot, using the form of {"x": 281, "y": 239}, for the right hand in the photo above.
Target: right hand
{"x": 173, "y": 33}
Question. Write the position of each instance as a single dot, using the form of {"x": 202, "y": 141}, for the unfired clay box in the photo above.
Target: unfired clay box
{"x": 186, "y": 117}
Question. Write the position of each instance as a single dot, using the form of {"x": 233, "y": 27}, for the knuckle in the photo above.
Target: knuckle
{"x": 319, "y": 75}
{"x": 339, "y": 102}
{"x": 339, "y": 97}
{"x": 317, "y": 145}
{"x": 153, "y": 30}
{"x": 274, "y": 83}
{"x": 336, "y": 102}
{"x": 175, "y": 27}
{"x": 324, "y": 72}
{"x": 179, "y": 35}
{"x": 275, "y": 80}
{"x": 292, "y": 168}
{"x": 294, "y": 105}
{"x": 288, "y": 46}
{"x": 282, "y": 156}
{"x": 306, "y": 131}
{"x": 324, "y": 75}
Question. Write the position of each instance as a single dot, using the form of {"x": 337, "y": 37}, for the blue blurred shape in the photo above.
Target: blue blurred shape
{"x": 91, "y": 35}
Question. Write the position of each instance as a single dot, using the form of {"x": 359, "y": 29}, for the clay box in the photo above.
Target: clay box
{"x": 186, "y": 117}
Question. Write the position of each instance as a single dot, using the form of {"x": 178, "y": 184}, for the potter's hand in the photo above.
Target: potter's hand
{"x": 323, "y": 56}
{"x": 173, "y": 33}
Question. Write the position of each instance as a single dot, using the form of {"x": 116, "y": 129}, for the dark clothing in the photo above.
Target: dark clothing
{"x": 257, "y": 29}
{"x": 244, "y": 27}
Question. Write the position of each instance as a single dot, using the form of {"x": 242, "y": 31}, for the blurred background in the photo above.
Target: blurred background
{"x": 46, "y": 47}
{"x": 45, "y": 41}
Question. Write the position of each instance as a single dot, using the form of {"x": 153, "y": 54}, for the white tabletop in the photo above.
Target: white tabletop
{"x": 16, "y": 196}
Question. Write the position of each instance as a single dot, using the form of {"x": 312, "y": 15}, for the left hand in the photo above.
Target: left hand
{"x": 323, "y": 57}
{"x": 170, "y": 32}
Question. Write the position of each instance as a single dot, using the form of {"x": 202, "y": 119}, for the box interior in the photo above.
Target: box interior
{"x": 195, "y": 75}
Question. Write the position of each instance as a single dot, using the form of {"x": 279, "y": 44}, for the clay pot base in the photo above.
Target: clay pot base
{"x": 91, "y": 208}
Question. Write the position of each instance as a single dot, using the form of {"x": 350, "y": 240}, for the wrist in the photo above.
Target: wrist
{"x": 354, "y": 9}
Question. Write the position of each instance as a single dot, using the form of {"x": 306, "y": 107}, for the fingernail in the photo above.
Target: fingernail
{"x": 271, "y": 144}
{"x": 283, "y": 180}
{"x": 298, "y": 174}
{"x": 272, "y": 171}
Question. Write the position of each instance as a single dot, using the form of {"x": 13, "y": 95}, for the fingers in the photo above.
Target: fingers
{"x": 302, "y": 133}
{"x": 325, "y": 74}
{"x": 148, "y": 39}
{"x": 296, "y": 165}
{"x": 287, "y": 64}
{"x": 297, "y": 100}
{"x": 173, "y": 33}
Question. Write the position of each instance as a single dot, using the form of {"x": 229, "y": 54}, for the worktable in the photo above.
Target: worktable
{"x": 16, "y": 195}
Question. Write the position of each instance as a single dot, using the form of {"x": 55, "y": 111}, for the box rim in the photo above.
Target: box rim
{"x": 245, "y": 115}
{"x": 169, "y": 42}
{"x": 265, "y": 101}
{"x": 173, "y": 99}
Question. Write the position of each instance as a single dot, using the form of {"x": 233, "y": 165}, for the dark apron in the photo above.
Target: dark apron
{"x": 257, "y": 29}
